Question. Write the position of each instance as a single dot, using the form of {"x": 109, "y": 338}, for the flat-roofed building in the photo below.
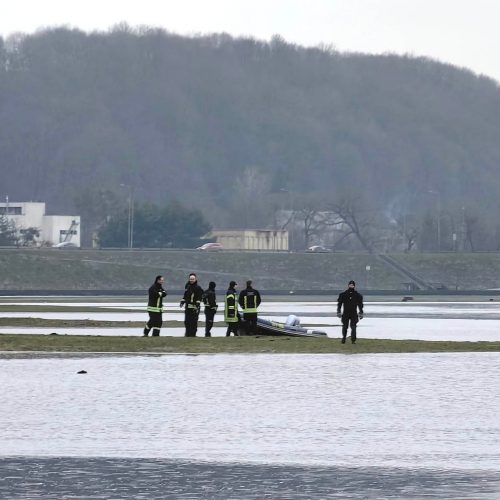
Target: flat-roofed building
{"x": 251, "y": 239}
{"x": 53, "y": 229}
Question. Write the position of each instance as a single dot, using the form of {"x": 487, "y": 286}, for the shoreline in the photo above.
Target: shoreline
{"x": 102, "y": 345}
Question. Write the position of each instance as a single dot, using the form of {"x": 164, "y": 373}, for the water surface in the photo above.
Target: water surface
{"x": 251, "y": 426}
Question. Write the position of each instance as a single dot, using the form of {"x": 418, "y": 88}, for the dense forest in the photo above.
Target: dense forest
{"x": 379, "y": 152}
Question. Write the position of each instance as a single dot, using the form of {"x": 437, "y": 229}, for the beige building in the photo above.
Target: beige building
{"x": 53, "y": 229}
{"x": 252, "y": 239}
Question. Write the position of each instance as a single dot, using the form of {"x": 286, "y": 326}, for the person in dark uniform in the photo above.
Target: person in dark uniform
{"x": 155, "y": 307}
{"x": 249, "y": 301}
{"x": 231, "y": 310}
{"x": 210, "y": 301}
{"x": 352, "y": 302}
{"x": 192, "y": 300}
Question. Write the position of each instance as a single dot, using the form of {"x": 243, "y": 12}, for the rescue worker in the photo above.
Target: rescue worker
{"x": 155, "y": 307}
{"x": 192, "y": 300}
{"x": 249, "y": 301}
{"x": 352, "y": 301}
{"x": 210, "y": 301}
{"x": 231, "y": 310}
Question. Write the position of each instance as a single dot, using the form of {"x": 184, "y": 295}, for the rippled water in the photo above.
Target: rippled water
{"x": 422, "y": 420}
{"x": 391, "y": 409}
{"x": 158, "y": 478}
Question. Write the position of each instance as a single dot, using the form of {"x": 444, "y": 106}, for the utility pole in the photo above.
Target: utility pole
{"x": 130, "y": 228}
{"x": 438, "y": 198}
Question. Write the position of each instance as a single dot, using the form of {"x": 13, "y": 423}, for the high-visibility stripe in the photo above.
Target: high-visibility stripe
{"x": 154, "y": 309}
{"x": 231, "y": 311}
{"x": 247, "y": 309}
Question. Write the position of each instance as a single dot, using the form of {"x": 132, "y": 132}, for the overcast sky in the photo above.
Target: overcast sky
{"x": 461, "y": 32}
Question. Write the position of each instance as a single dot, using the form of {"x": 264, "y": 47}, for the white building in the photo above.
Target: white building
{"x": 252, "y": 239}
{"x": 53, "y": 229}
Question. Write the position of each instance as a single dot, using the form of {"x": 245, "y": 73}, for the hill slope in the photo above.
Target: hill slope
{"x": 201, "y": 119}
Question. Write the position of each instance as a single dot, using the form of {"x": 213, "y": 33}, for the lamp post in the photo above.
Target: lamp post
{"x": 130, "y": 232}
{"x": 438, "y": 197}
{"x": 292, "y": 218}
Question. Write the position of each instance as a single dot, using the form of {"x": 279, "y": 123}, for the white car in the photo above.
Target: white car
{"x": 65, "y": 244}
{"x": 210, "y": 247}
{"x": 318, "y": 249}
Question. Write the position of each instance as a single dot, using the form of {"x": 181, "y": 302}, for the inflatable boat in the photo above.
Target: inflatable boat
{"x": 291, "y": 328}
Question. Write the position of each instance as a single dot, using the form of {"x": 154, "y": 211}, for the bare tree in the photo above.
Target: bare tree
{"x": 354, "y": 219}
{"x": 313, "y": 216}
{"x": 29, "y": 236}
{"x": 408, "y": 228}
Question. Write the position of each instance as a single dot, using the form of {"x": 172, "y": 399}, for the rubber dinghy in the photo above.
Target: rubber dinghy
{"x": 291, "y": 328}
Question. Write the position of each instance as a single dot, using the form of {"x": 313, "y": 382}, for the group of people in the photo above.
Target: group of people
{"x": 348, "y": 304}
{"x": 194, "y": 296}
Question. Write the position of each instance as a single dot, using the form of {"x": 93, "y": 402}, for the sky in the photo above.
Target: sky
{"x": 460, "y": 32}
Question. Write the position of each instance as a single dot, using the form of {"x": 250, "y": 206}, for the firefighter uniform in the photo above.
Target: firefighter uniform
{"x": 155, "y": 309}
{"x": 249, "y": 301}
{"x": 191, "y": 301}
{"x": 210, "y": 301}
{"x": 231, "y": 310}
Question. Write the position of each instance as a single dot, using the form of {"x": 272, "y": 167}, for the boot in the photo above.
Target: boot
{"x": 343, "y": 340}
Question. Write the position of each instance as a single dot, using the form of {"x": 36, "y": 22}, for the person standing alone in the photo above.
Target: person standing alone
{"x": 156, "y": 294}
{"x": 352, "y": 301}
{"x": 249, "y": 301}
{"x": 231, "y": 310}
{"x": 192, "y": 300}
{"x": 210, "y": 301}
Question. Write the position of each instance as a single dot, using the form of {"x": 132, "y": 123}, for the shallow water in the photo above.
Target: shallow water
{"x": 415, "y": 410}
{"x": 449, "y": 321}
{"x": 251, "y": 426}
{"x": 370, "y": 328}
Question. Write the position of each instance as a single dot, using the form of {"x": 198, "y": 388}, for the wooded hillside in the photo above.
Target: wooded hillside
{"x": 243, "y": 128}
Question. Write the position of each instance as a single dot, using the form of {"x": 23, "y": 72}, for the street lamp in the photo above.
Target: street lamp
{"x": 438, "y": 197}
{"x": 130, "y": 235}
{"x": 292, "y": 218}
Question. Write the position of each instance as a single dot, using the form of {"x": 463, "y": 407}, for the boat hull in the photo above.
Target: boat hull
{"x": 277, "y": 329}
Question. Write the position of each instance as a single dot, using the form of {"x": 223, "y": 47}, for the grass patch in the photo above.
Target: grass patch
{"x": 6, "y": 308}
{"x": 87, "y": 323}
{"x": 215, "y": 345}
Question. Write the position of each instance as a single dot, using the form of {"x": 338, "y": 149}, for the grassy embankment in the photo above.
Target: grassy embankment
{"x": 218, "y": 345}
{"x": 54, "y": 269}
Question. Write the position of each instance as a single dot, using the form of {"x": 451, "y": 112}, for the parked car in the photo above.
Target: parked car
{"x": 210, "y": 247}
{"x": 66, "y": 244}
{"x": 318, "y": 249}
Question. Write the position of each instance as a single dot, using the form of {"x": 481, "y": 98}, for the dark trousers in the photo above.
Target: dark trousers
{"x": 232, "y": 327}
{"x": 250, "y": 323}
{"x": 191, "y": 322}
{"x": 353, "y": 320}
{"x": 209, "y": 321}
{"x": 154, "y": 323}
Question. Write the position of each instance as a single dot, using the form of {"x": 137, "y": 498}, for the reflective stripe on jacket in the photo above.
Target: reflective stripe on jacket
{"x": 155, "y": 301}
{"x": 249, "y": 300}
{"x": 231, "y": 307}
